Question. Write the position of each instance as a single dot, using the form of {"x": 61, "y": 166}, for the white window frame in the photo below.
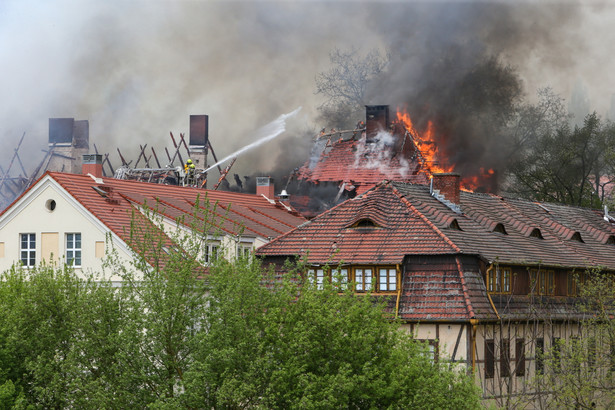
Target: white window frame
{"x": 364, "y": 282}
{"x": 244, "y": 250}
{"x": 29, "y": 251}
{"x": 387, "y": 279}
{"x": 73, "y": 252}
{"x": 211, "y": 253}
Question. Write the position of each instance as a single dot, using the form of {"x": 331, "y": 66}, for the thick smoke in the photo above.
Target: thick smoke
{"x": 460, "y": 65}
{"x": 136, "y": 70}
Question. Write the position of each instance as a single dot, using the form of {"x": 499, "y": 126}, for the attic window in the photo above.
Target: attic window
{"x": 577, "y": 237}
{"x": 454, "y": 225}
{"x": 50, "y": 205}
{"x": 364, "y": 223}
{"x": 610, "y": 240}
{"x": 500, "y": 229}
{"x": 536, "y": 234}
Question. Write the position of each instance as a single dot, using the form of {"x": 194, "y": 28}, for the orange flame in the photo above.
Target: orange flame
{"x": 435, "y": 161}
{"x": 426, "y": 145}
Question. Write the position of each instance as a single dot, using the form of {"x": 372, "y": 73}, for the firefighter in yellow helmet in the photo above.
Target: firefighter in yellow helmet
{"x": 191, "y": 171}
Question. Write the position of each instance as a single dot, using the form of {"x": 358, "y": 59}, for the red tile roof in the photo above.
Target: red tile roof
{"x": 363, "y": 165}
{"x": 413, "y": 227}
{"x": 331, "y": 237}
{"x": 233, "y": 213}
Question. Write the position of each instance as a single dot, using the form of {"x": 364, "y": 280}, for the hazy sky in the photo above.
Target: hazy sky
{"x": 138, "y": 69}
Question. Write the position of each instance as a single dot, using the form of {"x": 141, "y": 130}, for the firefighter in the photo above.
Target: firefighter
{"x": 184, "y": 176}
{"x": 191, "y": 171}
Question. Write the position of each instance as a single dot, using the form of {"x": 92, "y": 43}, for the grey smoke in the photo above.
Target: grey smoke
{"x": 136, "y": 70}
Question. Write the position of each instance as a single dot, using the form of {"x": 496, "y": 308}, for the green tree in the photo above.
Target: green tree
{"x": 561, "y": 163}
{"x": 579, "y": 371}
{"x": 49, "y": 315}
{"x": 174, "y": 336}
{"x": 286, "y": 344}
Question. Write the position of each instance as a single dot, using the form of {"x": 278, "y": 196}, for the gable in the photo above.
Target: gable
{"x": 49, "y": 211}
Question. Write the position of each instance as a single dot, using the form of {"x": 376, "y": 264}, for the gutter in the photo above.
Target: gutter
{"x": 489, "y": 269}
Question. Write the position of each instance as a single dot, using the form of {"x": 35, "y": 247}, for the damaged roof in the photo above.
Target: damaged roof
{"x": 362, "y": 163}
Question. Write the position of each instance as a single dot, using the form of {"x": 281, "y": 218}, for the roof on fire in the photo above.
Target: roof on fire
{"x": 363, "y": 164}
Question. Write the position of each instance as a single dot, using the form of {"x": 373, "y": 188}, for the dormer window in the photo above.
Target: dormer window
{"x": 364, "y": 223}
{"x": 454, "y": 225}
{"x": 536, "y": 234}
{"x": 577, "y": 237}
{"x": 610, "y": 240}
{"x": 500, "y": 229}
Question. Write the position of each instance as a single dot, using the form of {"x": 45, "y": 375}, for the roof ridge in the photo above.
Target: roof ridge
{"x": 274, "y": 241}
{"x": 426, "y": 220}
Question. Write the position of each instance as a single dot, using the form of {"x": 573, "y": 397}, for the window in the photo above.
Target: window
{"x": 575, "y": 282}
{"x": 28, "y": 249}
{"x": 505, "y": 358}
{"x": 489, "y": 359}
{"x": 387, "y": 279}
{"x": 520, "y": 357}
{"x": 432, "y": 348}
{"x": 498, "y": 280}
{"x": 244, "y": 251}
{"x": 542, "y": 282}
{"x": 316, "y": 276}
{"x": 540, "y": 351}
{"x": 73, "y": 249}
{"x": 363, "y": 278}
{"x": 211, "y": 253}
{"x": 339, "y": 278}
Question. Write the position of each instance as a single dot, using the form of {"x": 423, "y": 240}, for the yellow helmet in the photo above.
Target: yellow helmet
{"x": 189, "y": 161}
{"x": 192, "y": 166}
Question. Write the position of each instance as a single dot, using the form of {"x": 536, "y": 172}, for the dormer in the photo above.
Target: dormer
{"x": 499, "y": 228}
{"x": 536, "y": 234}
{"x": 364, "y": 223}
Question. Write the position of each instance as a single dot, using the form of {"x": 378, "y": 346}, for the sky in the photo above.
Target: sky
{"x": 136, "y": 70}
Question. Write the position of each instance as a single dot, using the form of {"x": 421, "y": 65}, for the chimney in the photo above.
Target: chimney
{"x": 69, "y": 141}
{"x": 92, "y": 164}
{"x": 447, "y": 186}
{"x": 199, "y": 139}
{"x": 376, "y": 120}
{"x": 264, "y": 186}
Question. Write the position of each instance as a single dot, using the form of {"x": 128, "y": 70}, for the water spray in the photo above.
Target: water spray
{"x": 270, "y": 131}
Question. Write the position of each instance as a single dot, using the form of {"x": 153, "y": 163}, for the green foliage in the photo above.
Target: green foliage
{"x": 286, "y": 344}
{"x": 556, "y": 162}
{"x": 580, "y": 369}
{"x": 172, "y": 337}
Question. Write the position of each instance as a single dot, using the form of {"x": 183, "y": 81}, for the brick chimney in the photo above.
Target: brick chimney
{"x": 264, "y": 186}
{"x": 92, "y": 164}
{"x": 447, "y": 185}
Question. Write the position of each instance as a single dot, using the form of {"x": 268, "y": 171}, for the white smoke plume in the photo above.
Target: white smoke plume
{"x": 138, "y": 69}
